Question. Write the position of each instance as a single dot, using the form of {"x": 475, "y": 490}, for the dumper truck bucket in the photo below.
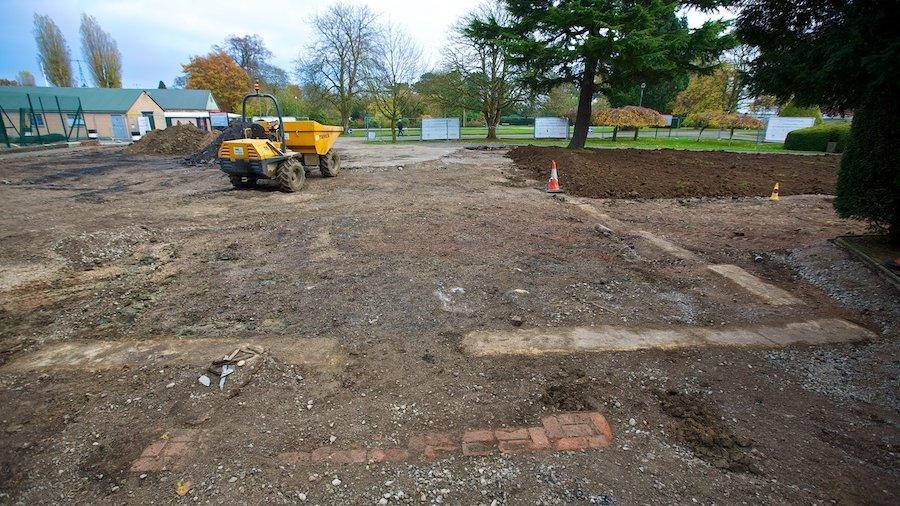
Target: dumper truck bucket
{"x": 310, "y": 137}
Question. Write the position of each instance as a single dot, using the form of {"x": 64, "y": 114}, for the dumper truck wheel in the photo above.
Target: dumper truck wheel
{"x": 290, "y": 176}
{"x": 330, "y": 163}
{"x": 242, "y": 183}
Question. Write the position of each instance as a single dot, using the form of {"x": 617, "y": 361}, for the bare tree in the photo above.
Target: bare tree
{"x": 394, "y": 65}
{"x": 102, "y": 54}
{"x": 339, "y": 54}
{"x": 487, "y": 80}
{"x": 53, "y": 53}
{"x": 25, "y": 78}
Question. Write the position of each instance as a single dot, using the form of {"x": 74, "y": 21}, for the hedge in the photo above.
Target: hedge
{"x": 816, "y": 138}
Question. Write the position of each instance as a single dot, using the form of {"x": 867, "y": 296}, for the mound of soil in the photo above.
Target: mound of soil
{"x": 208, "y": 152}
{"x": 699, "y": 426}
{"x": 181, "y": 139}
{"x": 670, "y": 173}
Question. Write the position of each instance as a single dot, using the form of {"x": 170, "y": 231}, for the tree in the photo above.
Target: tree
{"x": 249, "y": 52}
{"x": 704, "y": 120}
{"x": 658, "y": 95}
{"x": 834, "y": 55}
{"x": 218, "y": 73}
{"x": 476, "y": 54}
{"x": 792, "y": 110}
{"x": 733, "y": 121}
{"x": 394, "y": 65}
{"x": 344, "y": 38}
{"x": 53, "y": 53}
{"x": 8, "y": 82}
{"x": 630, "y": 116}
{"x": 601, "y": 45}
{"x": 161, "y": 85}
{"x": 714, "y": 91}
{"x": 439, "y": 91}
{"x": 559, "y": 101}
{"x": 101, "y": 53}
{"x": 25, "y": 78}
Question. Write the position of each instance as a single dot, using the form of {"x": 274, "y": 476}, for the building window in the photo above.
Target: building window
{"x": 75, "y": 119}
{"x": 38, "y": 119}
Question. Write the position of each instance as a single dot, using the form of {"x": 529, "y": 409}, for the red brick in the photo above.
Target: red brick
{"x": 479, "y": 448}
{"x": 338, "y": 456}
{"x": 553, "y": 427}
{"x": 177, "y": 449}
{"x": 473, "y": 436}
{"x": 146, "y": 464}
{"x": 568, "y": 444}
{"x": 569, "y": 418}
{"x": 184, "y": 435}
{"x": 538, "y": 438}
{"x": 388, "y": 455}
{"x": 440, "y": 440}
{"x": 600, "y": 424}
{"x": 154, "y": 449}
{"x": 294, "y": 458}
{"x": 511, "y": 434}
{"x": 579, "y": 429}
{"x": 515, "y": 446}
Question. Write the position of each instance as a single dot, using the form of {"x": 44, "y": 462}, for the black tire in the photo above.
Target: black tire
{"x": 290, "y": 176}
{"x": 330, "y": 163}
{"x": 242, "y": 183}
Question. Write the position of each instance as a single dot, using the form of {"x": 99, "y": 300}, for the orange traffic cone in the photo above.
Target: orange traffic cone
{"x": 774, "y": 197}
{"x": 553, "y": 183}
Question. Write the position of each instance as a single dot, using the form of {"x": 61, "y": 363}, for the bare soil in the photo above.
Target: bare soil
{"x": 380, "y": 272}
{"x": 183, "y": 139}
{"x": 668, "y": 173}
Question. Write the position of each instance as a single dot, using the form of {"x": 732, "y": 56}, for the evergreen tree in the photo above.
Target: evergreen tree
{"x": 606, "y": 45}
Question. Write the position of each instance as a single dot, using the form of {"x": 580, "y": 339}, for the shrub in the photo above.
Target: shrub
{"x": 733, "y": 121}
{"x": 704, "y": 120}
{"x": 791, "y": 110}
{"x": 816, "y": 138}
{"x": 868, "y": 185}
{"x": 629, "y": 116}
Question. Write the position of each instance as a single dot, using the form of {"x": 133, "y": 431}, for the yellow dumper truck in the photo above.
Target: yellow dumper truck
{"x": 284, "y": 151}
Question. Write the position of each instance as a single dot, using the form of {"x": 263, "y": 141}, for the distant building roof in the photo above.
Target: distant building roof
{"x": 174, "y": 99}
{"x": 109, "y": 100}
{"x": 105, "y": 100}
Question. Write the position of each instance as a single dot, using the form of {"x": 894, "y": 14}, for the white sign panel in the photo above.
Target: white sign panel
{"x": 218, "y": 119}
{"x": 778, "y": 127}
{"x": 551, "y": 128}
{"x": 440, "y": 129}
{"x": 668, "y": 119}
{"x": 143, "y": 124}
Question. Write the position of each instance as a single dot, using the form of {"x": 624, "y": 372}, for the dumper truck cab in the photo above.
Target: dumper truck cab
{"x": 284, "y": 151}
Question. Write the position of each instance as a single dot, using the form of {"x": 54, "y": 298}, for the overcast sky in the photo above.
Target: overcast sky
{"x": 156, "y": 37}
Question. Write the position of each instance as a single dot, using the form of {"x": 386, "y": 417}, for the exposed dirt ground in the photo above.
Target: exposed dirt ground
{"x": 667, "y": 173}
{"x": 377, "y": 275}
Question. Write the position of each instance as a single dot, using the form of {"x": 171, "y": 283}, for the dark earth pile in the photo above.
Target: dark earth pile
{"x": 670, "y": 173}
{"x": 208, "y": 152}
{"x": 700, "y": 427}
{"x": 181, "y": 139}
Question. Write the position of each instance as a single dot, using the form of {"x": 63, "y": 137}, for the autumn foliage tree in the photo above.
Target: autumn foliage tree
{"x": 630, "y": 116}
{"x": 102, "y": 53}
{"x": 734, "y": 121}
{"x": 218, "y": 73}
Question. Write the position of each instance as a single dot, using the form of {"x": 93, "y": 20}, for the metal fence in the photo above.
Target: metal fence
{"x": 40, "y": 119}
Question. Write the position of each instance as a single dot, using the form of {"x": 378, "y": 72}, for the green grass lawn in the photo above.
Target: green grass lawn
{"x": 645, "y": 143}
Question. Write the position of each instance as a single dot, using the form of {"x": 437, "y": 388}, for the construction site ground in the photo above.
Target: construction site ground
{"x": 435, "y": 329}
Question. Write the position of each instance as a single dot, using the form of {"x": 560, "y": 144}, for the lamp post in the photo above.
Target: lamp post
{"x": 641, "y": 101}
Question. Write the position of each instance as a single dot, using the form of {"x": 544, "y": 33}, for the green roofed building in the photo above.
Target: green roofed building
{"x": 31, "y": 112}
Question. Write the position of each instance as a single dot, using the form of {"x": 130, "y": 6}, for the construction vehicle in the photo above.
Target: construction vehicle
{"x": 284, "y": 151}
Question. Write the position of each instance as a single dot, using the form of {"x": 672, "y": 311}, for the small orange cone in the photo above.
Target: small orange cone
{"x": 774, "y": 197}
{"x": 553, "y": 183}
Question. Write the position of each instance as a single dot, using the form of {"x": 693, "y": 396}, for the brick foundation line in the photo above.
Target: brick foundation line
{"x": 561, "y": 432}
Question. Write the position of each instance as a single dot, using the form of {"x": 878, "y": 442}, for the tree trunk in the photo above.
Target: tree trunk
{"x": 615, "y": 132}
{"x": 732, "y": 134}
{"x": 492, "y": 131}
{"x": 393, "y": 131}
{"x": 636, "y": 130}
{"x": 701, "y": 133}
{"x": 585, "y": 96}
{"x": 491, "y": 120}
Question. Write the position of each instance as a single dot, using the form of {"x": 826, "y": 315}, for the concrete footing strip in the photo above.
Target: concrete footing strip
{"x": 619, "y": 338}
{"x": 98, "y": 355}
